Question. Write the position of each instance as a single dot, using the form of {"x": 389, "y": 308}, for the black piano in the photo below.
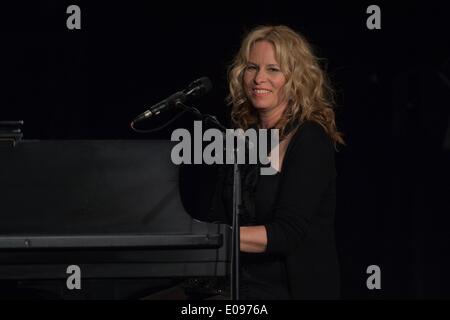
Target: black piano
{"x": 110, "y": 207}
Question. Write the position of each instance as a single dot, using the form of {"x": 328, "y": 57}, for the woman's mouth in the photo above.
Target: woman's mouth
{"x": 261, "y": 92}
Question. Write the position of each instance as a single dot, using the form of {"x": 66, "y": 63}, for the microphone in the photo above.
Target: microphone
{"x": 196, "y": 89}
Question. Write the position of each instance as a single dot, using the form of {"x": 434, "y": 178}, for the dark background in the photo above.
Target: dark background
{"x": 392, "y": 89}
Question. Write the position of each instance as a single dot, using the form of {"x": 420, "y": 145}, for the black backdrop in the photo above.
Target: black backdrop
{"x": 392, "y": 90}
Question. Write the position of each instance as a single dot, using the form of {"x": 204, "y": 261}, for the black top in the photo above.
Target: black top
{"x": 297, "y": 207}
{"x": 264, "y": 276}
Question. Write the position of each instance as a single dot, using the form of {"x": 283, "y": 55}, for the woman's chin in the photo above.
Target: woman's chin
{"x": 260, "y": 107}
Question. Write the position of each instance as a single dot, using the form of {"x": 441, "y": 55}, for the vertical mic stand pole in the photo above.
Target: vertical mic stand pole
{"x": 237, "y": 205}
{"x": 236, "y": 240}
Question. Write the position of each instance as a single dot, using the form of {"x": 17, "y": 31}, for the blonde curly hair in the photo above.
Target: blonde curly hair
{"x": 308, "y": 89}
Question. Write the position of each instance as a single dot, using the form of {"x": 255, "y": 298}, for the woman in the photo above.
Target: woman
{"x": 287, "y": 235}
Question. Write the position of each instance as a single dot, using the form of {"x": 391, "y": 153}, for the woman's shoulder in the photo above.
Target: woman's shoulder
{"x": 311, "y": 132}
{"x": 310, "y": 143}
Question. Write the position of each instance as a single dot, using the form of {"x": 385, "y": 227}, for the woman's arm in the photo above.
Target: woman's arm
{"x": 253, "y": 239}
{"x": 307, "y": 172}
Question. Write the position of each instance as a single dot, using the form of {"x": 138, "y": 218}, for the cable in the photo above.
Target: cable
{"x": 157, "y": 128}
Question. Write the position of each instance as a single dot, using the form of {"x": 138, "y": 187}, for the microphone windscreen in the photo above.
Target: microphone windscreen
{"x": 206, "y": 84}
{"x": 200, "y": 87}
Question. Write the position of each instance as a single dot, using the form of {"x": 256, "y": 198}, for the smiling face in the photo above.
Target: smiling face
{"x": 263, "y": 79}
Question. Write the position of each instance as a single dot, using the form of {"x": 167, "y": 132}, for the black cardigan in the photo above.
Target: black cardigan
{"x": 303, "y": 226}
{"x": 300, "y": 230}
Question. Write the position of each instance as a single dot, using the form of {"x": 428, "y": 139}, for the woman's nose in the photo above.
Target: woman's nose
{"x": 260, "y": 76}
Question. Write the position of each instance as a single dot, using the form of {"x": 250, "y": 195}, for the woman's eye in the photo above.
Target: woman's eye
{"x": 274, "y": 69}
{"x": 251, "y": 68}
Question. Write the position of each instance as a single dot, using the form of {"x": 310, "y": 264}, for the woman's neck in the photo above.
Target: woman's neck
{"x": 269, "y": 118}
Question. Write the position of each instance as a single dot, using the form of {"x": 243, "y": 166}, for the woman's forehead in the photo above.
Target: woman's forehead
{"x": 262, "y": 51}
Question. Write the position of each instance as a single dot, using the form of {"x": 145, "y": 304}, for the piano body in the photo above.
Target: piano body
{"x": 110, "y": 207}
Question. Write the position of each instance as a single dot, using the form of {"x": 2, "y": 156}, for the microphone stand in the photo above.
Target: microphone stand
{"x": 235, "y": 233}
{"x": 237, "y": 205}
